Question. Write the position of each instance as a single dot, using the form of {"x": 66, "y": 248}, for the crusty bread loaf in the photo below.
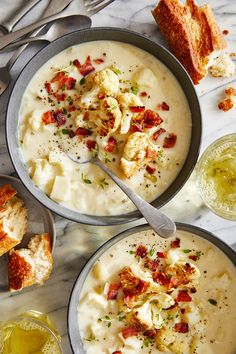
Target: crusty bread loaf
{"x": 13, "y": 219}
{"x": 191, "y": 32}
{"x": 32, "y": 265}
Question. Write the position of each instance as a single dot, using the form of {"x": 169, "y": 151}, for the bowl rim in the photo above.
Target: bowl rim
{"x": 47, "y": 213}
{"x": 96, "y": 34}
{"x": 72, "y": 319}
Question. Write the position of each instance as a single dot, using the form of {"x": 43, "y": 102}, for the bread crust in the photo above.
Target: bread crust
{"x": 191, "y": 32}
{"x": 20, "y": 272}
{"x": 6, "y": 193}
{"x": 22, "y": 263}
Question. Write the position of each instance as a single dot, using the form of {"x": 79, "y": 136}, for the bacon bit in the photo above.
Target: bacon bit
{"x": 225, "y": 32}
{"x": 117, "y": 352}
{"x": 175, "y": 243}
{"x": 101, "y": 96}
{"x": 141, "y": 251}
{"x": 70, "y": 83}
{"x": 231, "y": 91}
{"x": 83, "y": 131}
{"x": 111, "y": 144}
{"x": 91, "y": 144}
{"x": 151, "y": 333}
{"x": 151, "y": 119}
{"x": 183, "y": 311}
{"x": 71, "y": 108}
{"x": 181, "y": 327}
{"x": 163, "y": 106}
{"x": 170, "y": 141}
{"x": 160, "y": 278}
{"x": 60, "y": 97}
{"x": 86, "y": 68}
{"x": 48, "y": 117}
{"x": 184, "y": 296}
{"x": 99, "y": 61}
{"x": 60, "y": 118}
{"x": 150, "y": 154}
{"x": 162, "y": 254}
{"x": 150, "y": 170}
{"x": 113, "y": 291}
{"x": 137, "y": 109}
{"x": 193, "y": 257}
{"x": 58, "y": 76}
{"x": 143, "y": 94}
{"x": 137, "y": 127}
{"x": 152, "y": 264}
{"x": 129, "y": 332}
{"x": 48, "y": 87}
{"x": 158, "y": 133}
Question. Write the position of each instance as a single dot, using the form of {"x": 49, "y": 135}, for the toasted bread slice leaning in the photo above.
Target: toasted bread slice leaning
{"x": 191, "y": 32}
{"x": 13, "y": 219}
{"x": 32, "y": 265}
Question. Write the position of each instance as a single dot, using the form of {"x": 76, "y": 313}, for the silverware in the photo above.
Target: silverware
{"x": 54, "y": 6}
{"x": 58, "y": 29}
{"x": 8, "y": 25}
{"x": 160, "y": 223}
{"x": 91, "y": 6}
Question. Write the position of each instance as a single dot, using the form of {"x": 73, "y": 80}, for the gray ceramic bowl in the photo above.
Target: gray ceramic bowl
{"x": 92, "y": 35}
{"x": 72, "y": 315}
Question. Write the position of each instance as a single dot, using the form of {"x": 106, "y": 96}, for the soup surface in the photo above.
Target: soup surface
{"x": 111, "y": 99}
{"x": 150, "y": 295}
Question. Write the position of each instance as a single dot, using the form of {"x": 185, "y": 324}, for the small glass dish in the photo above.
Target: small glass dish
{"x": 216, "y": 177}
{"x": 31, "y": 332}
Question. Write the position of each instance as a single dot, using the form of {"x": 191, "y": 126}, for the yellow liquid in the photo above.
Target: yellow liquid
{"x": 27, "y": 337}
{"x": 219, "y": 178}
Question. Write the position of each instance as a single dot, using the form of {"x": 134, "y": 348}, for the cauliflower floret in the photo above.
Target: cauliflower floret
{"x": 141, "y": 317}
{"x": 161, "y": 300}
{"x": 144, "y": 77}
{"x": 105, "y": 81}
{"x": 191, "y": 314}
{"x": 127, "y": 100}
{"x": 107, "y": 117}
{"x": 135, "y": 153}
{"x": 165, "y": 337}
{"x": 185, "y": 273}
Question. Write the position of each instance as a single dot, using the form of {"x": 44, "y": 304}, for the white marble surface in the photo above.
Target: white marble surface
{"x": 74, "y": 241}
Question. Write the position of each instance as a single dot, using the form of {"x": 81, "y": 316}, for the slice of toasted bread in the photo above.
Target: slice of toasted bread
{"x": 32, "y": 265}
{"x": 191, "y": 32}
{"x": 13, "y": 219}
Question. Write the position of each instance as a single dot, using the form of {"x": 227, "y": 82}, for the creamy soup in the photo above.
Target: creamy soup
{"x": 149, "y": 295}
{"x": 111, "y": 99}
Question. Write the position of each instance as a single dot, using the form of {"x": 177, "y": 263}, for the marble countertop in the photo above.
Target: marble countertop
{"x": 75, "y": 242}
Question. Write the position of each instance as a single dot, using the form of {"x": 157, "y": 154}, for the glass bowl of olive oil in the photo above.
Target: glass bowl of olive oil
{"x": 29, "y": 333}
{"x": 216, "y": 177}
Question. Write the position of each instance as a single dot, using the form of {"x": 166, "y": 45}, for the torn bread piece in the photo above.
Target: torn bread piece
{"x": 191, "y": 32}
{"x": 13, "y": 219}
{"x": 230, "y": 100}
{"x": 32, "y": 265}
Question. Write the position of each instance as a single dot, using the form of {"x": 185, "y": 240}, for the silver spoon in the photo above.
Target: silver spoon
{"x": 58, "y": 29}
{"x": 68, "y": 24}
{"x": 160, "y": 223}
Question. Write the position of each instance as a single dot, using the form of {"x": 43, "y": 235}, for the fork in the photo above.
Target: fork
{"x": 91, "y": 7}
{"x": 88, "y": 8}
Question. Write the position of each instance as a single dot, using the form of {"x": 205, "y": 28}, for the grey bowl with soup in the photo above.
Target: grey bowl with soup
{"x": 85, "y": 36}
{"x": 213, "y": 249}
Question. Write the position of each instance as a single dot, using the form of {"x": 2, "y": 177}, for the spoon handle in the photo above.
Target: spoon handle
{"x": 160, "y": 223}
